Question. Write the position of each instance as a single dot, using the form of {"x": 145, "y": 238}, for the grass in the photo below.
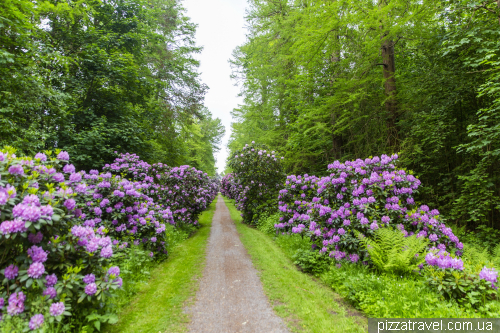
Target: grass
{"x": 382, "y": 295}
{"x": 305, "y": 304}
{"x": 158, "y": 306}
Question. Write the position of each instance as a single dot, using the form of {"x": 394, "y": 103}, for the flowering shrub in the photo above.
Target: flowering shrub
{"x": 46, "y": 251}
{"x": 229, "y": 186}
{"x": 450, "y": 278}
{"x": 62, "y": 230}
{"x": 257, "y": 176}
{"x": 359, "y": 196}
{"x": 185, "y": 191}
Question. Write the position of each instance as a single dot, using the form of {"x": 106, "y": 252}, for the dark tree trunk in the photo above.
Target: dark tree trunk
{"x": 391, "y": 104}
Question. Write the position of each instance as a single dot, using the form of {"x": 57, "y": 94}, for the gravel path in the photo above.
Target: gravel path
{"x": 230, "y": 298}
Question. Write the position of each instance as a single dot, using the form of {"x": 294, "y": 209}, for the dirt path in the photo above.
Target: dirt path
{"x": 230, "y": 298}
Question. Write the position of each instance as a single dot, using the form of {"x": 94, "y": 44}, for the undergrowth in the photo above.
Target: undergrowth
{"x": 385, "y": 294}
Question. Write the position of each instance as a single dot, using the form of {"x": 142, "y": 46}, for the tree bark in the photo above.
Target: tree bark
{"x": 391, "y": 105}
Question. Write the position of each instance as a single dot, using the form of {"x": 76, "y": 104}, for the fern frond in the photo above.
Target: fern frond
{"x": 391, "y": 251}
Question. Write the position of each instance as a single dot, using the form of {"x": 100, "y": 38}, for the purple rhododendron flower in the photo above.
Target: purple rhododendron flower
{"x": 16, "y": 303}
{"x": 489, "y": 274}
{"x": 64, "y": 156}
{"x": 70, "y": 204}
{"x": 4, "y": 196}
{"x": 41, "y": 156}
{"x": 50, "y": 280}
{"x": 50, "y": 291}
{"x": 433, "y": 237}
{"x": 114, "y": 270}
{"x": 354, "y": 257}
{"x": 36, "y": 270}
{"x": 107, "y": 252}
{"x": 2, "y": 303}
{"x": 36, "y": 322}
{"x": 57, "y": 309}
{"x": 75, "y": 177}
{"x": 31, "y": 200}
{"x": 92, "y": 246}
{"x": 118, "y": 281}
{"x": 58, "y": 177}
{"x": 11, "y": 272}
{"x": 89, "y": 278}
{"x": 9, "y": 227}
{"x": 16, "y": 170}
{"x": 35, "y": 238}
{"x": 69, "y": 168}
{"x": 37, "y": 254}
{"x": 91, "y": 289}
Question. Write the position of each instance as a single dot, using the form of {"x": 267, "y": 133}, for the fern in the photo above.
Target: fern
{"x": 477, "y": 257}
{"x": 392, "y": 252}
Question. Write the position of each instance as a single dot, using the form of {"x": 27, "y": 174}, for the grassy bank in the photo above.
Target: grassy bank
{"x": 158, "y": 306}
{"x": 305, "y": 304}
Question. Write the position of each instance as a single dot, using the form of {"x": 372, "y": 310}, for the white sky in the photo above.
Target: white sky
{"x": 220, "y": 29}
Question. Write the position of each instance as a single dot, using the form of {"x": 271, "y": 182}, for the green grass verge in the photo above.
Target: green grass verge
{"x": 158, "y": 306}
{"x": 306, "y": 304}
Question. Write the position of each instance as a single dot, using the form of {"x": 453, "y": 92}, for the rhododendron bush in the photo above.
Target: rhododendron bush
{"x": 361, "y": 195}
{"x": 184, "y": 190}
{"x": 229, "y": 187}
{"x": 60, "y": 229}
{"x": 257, "y": 177}
{"x": 358, "y": 198}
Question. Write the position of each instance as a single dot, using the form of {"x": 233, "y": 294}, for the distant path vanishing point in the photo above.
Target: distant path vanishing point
{"x": 230, "y": 298}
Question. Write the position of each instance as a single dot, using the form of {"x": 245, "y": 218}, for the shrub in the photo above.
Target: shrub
{"x": 65, "y": 232}
{"x": 359, "y": 196}
{"x": 52, "y": 265}
{"x": 470, "y": 284}
{"x": 267, "y": 222}
{"x": 184, "y": 190}
{"x": 311, "y": 262}
{"x": 258, "y": 175}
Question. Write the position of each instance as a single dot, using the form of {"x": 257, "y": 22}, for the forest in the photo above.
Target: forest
{"x": 99, "y": 77}
{"x": 327, "y": 80}
{"x": 362, "y": 182}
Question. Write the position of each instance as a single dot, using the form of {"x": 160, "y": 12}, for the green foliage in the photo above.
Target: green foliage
{"x": 258, "y": 174}
{"x": 483, "y": 236}
{"x": 389, "y": 296}
{"x": 463, "y": 286}
{"x": 313, "y": 83}
{"x": 391, "y": 252}
{"x": 94, "y": 77}
{"x": 311, "y": 262}
{"x": 267, "y": 222}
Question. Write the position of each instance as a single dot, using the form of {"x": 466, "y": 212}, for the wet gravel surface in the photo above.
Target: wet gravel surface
{"x": 230, "y": 298}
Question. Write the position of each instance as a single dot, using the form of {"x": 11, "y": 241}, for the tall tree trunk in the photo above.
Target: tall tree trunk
{"x": 391, "y": 104}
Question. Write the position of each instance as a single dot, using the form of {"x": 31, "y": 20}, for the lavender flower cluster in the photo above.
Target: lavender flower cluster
{"x": 256, "y": 179}
{"x": 57, "y": 221}
{"x": 44, "y": 236}
{"x": 360, "y": 195}
{"x": 184, "y": 190}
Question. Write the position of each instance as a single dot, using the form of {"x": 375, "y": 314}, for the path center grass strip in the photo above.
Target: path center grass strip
{"x": 158, "y": 307}
{"x": 306, "y": 305}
